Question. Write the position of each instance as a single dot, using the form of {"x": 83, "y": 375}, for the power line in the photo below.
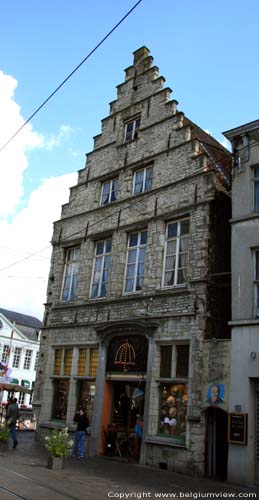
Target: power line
{"x": 70, "y": 74}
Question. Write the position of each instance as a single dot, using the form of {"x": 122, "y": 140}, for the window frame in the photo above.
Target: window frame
{"x": 134, "y": 133}
{"x": 102, "y": 257}
{"x": 17, "y": 357}
{"x": 144, "y": 189}
{"x": 255, "y": 171}
{"x": 178, "y": 238}
{"x": 111, "y": 190}
{"x": 173, "y": 380}
{"x": 137, "y": 247}
{"x": 256, "y": 281}
{"x": 27, "y": 359}
{"x": 5, "y": 352}
{"x": 74, "y": 264}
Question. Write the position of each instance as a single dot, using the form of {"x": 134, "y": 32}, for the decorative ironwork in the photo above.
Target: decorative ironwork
{"x": 125, "y": 356}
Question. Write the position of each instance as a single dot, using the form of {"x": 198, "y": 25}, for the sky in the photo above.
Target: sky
{"x": 207, "y": 52}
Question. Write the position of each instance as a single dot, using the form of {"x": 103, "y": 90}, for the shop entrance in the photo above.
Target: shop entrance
{"x": 123, "y": 409}
{"x": 217, "y": 443}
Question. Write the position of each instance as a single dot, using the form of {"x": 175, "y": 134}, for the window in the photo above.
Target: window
{"x": 61, "y": 390}
{"x": 31, "y": 395}
{"x": 36, "y": 361}
{"x": 5, "y": 353}
{"x": 256, "y": 189}
{"x": 17, "y": 357}
{"x": 142, "y": 180}
{"x": 27, "y": 359}
{"x": 176, "y": 251}
{"x": 70, "y": 274}
{"x": 86, "y": 393}
{"x": 174, "y": 364}
{"x": 21, "y": 399}
{"x": 87, "y": 362}
{"x": 256, "y": 282}
{"x": 63, "y": 361}
{"x": 131, "y": 129}
{"x": 135, "y": 262}
{"x": 101, "y": 268}
{"x": 109, "y": 191}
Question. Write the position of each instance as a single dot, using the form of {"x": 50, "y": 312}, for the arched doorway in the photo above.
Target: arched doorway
{"x": 124, "y": 394}
{"x": 217, "y": 443}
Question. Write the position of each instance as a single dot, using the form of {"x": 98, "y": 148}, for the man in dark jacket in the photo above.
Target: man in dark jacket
{"x": 12, "y": 415}
{"x": 82, "y": 424}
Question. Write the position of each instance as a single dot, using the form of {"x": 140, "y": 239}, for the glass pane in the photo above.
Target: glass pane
{"x": 184, "y": 244}
{"x": 61, "y": 390}
{"x": 93, "y": 362}
{"x": 142, "y": 254}
{"x": 58, "y": 362}
{"x": 139, "y": 283}
{"x": 103, "y": 290}
{"x": 165, "y": 361}
{"x": 149, "y": 179}
{"x": 133, "y": 240}
{"x": 170, "y": 263}
{"x": 81, "y": 367}
{"x": 99, "y": 247}
{"x": 68, "y": 361}
{"x": 129, "y": 285}
{"x": 182, "y": 363}
{"x": 185, "y": 226}
{"x": 171, "y": 247}
{"x": 141, "y": 268}
{"x": 105, "y": 199}
{"x": 180, "y": 277}
{"x": 169, "y": 278}
{"x": 137, "y": 123}
{"x": 173, "y": 409}
{"x": 108, "y": 246}
{"x": 132, "y": 256}
{"x": 256, "y": 172}
{"x": 94, "y": 293}
{"x": 139, "y": 177}
{"x": 130, "y": 270}
{"x": 143, "y": 238}
{"x": 172, "y": 230}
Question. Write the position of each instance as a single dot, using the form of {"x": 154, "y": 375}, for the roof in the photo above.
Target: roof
{"x": 241, "y": 129}
{"x": 22, "y": 319}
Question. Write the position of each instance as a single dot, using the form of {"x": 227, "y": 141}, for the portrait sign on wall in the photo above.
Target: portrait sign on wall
{"x": 215, "y": 394}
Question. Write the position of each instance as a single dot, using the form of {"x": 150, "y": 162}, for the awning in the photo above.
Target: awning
{"x": 14, "y": 381}
{"x": 26, "y": 383}
{"x": 14, "y": 388}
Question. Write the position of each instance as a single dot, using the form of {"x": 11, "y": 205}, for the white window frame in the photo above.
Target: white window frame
{"x": 137, "y": 248}
{"x": 102, "y": 257}
{"x": 134, "y": 133}
{"x": 111, "y": 183}
{"x": 73, "y": 265}
{"x": 5, "y": 353}
{"x": 27, "y": 359}
{"x": 17, "y": 357}
{"x": 256, "y": 188}
{"x": 144, "y": 188}
{"x": 256, "y": 281}
{"x": 178, "y": 239}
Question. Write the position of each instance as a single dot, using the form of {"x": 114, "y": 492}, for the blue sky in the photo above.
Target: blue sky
{"x": 207, "y": 51}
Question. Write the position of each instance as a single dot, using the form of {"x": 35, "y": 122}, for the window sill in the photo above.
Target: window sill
{"x": 164, "y": 442}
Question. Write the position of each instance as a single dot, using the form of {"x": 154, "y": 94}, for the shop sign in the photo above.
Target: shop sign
{"x": 237, "y": 428}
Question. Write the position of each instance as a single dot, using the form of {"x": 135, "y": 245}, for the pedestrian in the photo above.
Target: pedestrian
{"x": 12, "y": 415}
{"x": 138, "y": 431}
{"x": 82, "y": 423}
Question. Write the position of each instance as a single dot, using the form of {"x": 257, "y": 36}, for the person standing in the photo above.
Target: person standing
{"x": 12, "y": 415}
{"x": 82, "y": 423}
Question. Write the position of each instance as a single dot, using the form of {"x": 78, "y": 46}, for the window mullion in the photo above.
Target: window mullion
{"x": 173, "y": 362}
{"x": 177, "y": 249}
{"x": 101, "y": 277}
{"x": 136, "y": 268}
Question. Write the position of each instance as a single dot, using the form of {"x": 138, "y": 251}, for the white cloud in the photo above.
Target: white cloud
{"x": 23, "y": 286}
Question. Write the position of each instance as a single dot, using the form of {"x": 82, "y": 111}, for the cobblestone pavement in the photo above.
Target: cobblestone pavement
{"x": 24, "y": 475}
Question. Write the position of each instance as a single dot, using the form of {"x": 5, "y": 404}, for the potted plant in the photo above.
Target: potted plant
{"x": 4, "y": 436}
{"x": 58, "y": 445}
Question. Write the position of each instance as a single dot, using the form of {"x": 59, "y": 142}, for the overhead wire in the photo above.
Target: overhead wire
{"x": 69, "y": 76}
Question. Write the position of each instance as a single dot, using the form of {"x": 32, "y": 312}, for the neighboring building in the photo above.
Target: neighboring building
{"x": 139, "y": 288}
{"x": 243, "y": 466}
{"x": 19, "y": 348}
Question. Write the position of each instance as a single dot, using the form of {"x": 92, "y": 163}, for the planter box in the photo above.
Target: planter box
{"x": 55, "y": 463}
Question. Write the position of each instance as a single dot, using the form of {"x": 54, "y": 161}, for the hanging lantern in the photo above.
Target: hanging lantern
{"x": 125, "y": 356}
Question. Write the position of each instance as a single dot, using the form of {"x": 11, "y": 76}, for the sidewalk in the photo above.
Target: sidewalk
{"x": 24, "y": 473}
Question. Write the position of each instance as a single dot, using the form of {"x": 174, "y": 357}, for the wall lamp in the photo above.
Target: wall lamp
{"x": 253, "y": 355}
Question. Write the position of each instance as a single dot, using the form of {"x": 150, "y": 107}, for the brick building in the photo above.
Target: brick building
{"x": 138, "y": 293}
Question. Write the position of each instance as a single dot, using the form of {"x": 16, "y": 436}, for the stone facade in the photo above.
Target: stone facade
{"x": 190, "y": 182}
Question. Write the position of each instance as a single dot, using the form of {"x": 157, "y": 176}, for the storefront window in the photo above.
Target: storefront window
{"x": 86, "y": 393}
{"x": 93, "y": 362}
{"x": 68, "y": 354}
{"x": 173, "y": 407}
{"x": 58, "y": 362}
{"x": 60, "y": 398}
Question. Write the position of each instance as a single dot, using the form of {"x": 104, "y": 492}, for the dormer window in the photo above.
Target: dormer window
{"x": 131, "y": 129}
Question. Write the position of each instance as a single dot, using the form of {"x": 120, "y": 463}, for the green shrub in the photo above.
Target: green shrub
{"x": 58, "y": 443}
{"x": 4, "y": 433}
